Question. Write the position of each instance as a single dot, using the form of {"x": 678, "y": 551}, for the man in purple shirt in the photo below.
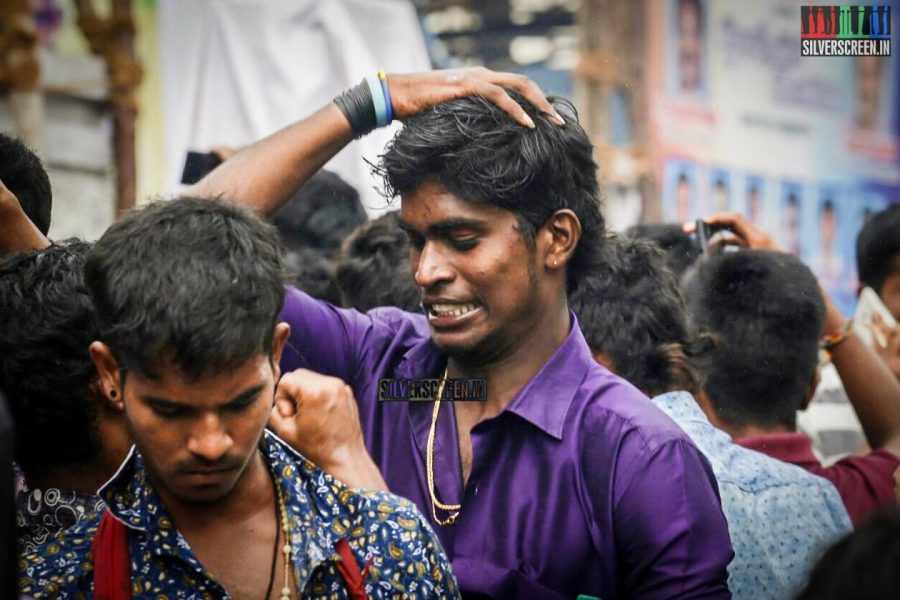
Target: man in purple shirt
{"x": 567, "y": 480}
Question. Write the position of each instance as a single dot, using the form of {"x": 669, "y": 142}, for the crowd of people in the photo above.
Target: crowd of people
{"x": 194, "y": 397}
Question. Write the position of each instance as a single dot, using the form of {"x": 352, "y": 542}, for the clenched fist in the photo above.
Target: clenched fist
{"x": 318, "y": 416}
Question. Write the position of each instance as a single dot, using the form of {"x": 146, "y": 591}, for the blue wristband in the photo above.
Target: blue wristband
{"x": 378, "y": 100}
{"x": 387, "y": 96}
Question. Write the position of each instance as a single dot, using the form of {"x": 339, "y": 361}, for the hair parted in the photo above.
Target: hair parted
{"x": 24, "y": 175}
{"x": 477, "y": 152}
{"x": 47, "y": 322}
{"x": 632, "y": 312}
{"x": 767, "y": 312}
{"x": 194, "y": 281}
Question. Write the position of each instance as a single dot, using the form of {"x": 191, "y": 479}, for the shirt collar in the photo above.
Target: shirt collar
{"x": 313, "y": 507}
{"x": 681, "y": 406}
{"x": 795, "y": 448}
{"x": 545, "y": 400}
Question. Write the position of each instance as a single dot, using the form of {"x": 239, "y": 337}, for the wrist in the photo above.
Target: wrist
{"x": 836, "y": 335}
{"x": 367, "y": 106}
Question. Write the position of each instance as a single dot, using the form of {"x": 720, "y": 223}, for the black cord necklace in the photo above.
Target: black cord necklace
{"x": 277, "y": 536}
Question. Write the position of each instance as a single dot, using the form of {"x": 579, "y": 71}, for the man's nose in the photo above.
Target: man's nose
{"x": 209, "y": 439}
{"x": 432, "y": 267}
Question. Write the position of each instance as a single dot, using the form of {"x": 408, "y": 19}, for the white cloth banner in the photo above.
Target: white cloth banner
{"x": 234, "y": 71}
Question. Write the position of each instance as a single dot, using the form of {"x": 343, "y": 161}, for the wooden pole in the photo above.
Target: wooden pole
{"x": 19, "y": 68}
{"x": 112, "y": 38}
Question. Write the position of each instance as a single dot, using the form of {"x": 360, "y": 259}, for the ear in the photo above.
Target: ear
{"x": 811, "y": 390}
{"x": 108, "y": 384}
{"x": 279, "y": 339}
{"x": 563, "y": 230}
{"x": 603, "y": 359}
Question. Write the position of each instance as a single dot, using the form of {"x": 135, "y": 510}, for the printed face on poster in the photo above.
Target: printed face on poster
{"x": 803, "y": 146}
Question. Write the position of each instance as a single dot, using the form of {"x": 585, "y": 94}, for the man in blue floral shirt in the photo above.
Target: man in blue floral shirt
{"x": 207, "y": 505}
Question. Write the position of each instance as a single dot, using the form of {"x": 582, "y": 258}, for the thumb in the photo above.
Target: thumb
{"x": 283, "y": 425}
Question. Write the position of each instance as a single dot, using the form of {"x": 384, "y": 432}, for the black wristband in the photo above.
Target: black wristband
{"x": 357, "y": 105}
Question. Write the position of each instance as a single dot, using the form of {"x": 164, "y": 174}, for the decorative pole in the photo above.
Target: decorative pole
{"x": 112, "y": 39}
{"x": 19, "y": 68}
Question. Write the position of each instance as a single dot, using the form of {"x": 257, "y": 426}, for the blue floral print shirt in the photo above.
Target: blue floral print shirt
{"x": 406, "y": 559}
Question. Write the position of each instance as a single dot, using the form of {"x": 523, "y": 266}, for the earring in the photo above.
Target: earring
{"x": 555, "y": 263}
{"x": 113, "y": 393}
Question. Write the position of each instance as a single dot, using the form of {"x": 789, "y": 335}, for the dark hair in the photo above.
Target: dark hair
{"x": 47, "y": 322}
{"x": 632, "y": 311}
{"x": 477, "y": 152}
{"x": 320, "y": 214}
{"x": 767, "y": 312}
{"x": 878, "y": 246}
{"x": 313, "y": 272}
{"x": 681, "y": 251}
{"x": 23, "y": 174}
{"x": 200, "y": 279}
{"x": 8, "y": 552}
{"x": 863, "y": 565}
{"x": 373, "y": 267}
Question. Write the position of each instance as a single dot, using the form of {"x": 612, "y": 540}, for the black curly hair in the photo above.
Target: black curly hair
{"x": 24, "y": 175}
{"x": 198, "y": 278}
{"x": 477, "y": 152}
{"x": 373, "y": 268}
{"x": 47, "y": 322}
{"x": 632, "y": 312}
{"x": 767, "y": 312}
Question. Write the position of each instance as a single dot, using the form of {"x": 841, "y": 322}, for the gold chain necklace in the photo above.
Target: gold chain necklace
{"x": 453, "y": 509}
{"x": 286, "y": 549}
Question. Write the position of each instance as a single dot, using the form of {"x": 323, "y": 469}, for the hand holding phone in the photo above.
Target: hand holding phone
{"x": 197, "y": 165}
{"x": 872, "y": 319}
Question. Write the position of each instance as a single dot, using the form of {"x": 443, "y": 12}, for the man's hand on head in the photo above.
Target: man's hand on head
{"x": 318, "y": 416}
{"x": 413, "y": 93}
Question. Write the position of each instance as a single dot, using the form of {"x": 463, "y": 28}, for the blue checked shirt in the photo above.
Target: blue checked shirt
{"x": 780, "y": 516}
{"x": 407, "y": 559}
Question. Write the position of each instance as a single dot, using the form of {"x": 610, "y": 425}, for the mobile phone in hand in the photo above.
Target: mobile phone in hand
{"x": 704, "y": 231}
{"x": 197, "y": 165}
{"x": 867, "y": 306}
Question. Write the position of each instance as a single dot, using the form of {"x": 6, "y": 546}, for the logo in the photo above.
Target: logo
{"x": 845, "y": 30}
{"x": 426, "y": 390}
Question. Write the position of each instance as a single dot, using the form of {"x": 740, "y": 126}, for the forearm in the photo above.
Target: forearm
{"x": 17, "y": 232}
{"x": 263, "y": 176}
{"x": 873, "y": 390}
{"x": 358, "y": 471}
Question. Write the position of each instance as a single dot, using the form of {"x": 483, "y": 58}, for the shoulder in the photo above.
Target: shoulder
{"x": 62, "y": 565}
{"x": 611, "y": 410}
{"x": 401, "y": 544}
{"x": 300, "y": 307}
{"x": 786, "y": 492}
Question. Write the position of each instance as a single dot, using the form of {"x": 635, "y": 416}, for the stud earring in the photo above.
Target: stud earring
{"x": 113, "y": 393}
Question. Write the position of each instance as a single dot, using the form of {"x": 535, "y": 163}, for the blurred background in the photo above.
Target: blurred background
{"x": 693, "y": 106}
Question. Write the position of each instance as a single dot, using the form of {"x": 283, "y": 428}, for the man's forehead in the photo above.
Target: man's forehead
{"x": 432, "y": 204}
{"x": 214, "y": 386}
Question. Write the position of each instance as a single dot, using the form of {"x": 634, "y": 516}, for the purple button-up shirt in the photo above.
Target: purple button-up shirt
{"x": 580, "y": 486}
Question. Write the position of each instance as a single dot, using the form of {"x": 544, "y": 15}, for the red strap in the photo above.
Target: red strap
{"x": 112, "y": 565}
{"x": 349, "y": 570}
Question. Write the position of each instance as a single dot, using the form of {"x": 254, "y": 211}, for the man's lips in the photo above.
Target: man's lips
{"x": 449, "y": 313}
{"x": 207, "y": 471}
